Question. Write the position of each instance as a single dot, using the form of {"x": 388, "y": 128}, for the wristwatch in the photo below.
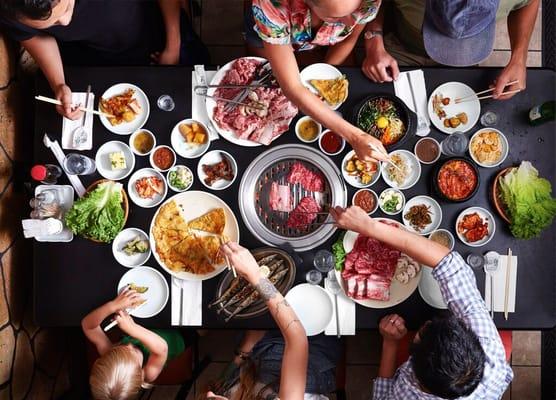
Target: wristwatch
{"x": 371, "y": 34}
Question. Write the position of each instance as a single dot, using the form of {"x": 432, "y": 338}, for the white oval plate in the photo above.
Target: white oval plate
{"x": 454, "y": 90}
{"x": 320, "y": 71}
{"x": 429, "y": 289}
{"x": 436, "y": 214}
{"x": 505, "y": 148}
{"x": 156, "y": 296}
{"x": 355, "y": 181}
{"x": 102, "y": 160}
{"x": 414, "y": 174}
{"x": 127, "y": 128}
{"x": 312, "y": 305}
{"x": 184, "y": 149}
{"x": 141, "y": 202}
{"x": 119, "y": 242}
{"x": 213, "y": 157}
{"x": 483, "y": 213}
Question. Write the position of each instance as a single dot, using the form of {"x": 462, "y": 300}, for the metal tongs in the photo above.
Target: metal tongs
{"x": 263, "y": 74}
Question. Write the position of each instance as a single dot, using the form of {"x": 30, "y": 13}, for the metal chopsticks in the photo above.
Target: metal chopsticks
{"x": 472, "y": 96}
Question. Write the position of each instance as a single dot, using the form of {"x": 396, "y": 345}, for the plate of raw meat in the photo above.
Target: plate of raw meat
{"x": 265, "y": 114}
{"x": 376, "y": 275}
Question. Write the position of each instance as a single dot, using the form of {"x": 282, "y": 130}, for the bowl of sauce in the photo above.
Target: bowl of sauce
{"x": 307, "y": 129}
{"x": 163, "y": 158}
{"x": 427, "y": 150}
{"x": 366, "y": 199}
{"x": 331, "y": 143}
{"x": 142, "y": 142}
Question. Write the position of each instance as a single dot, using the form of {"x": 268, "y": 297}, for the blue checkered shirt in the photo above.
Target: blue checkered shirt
{"x": 460, "y": 293}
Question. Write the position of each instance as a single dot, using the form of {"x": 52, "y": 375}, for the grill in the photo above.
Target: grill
{"x": 273, "y": 166}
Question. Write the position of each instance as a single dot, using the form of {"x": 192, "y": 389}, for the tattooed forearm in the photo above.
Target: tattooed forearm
{"x": 293, "y": 321}
{"x": 283, "y": 303}
{"x": 266, "y": 289}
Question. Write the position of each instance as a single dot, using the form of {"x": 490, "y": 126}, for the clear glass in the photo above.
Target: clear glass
{"x": 47, "y": 196}
{"x": 78, "y": 164}
{"x": 476, "y": 261}
{"x": 489, "y": 118}
{"x": 166, "y": 102}
{"x": 313, "y": 277}
{"x": 454, "y": 145}
{"x": 323, "y": 261}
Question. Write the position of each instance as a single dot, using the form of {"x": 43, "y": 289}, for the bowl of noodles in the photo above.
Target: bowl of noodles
{"x": 387, "y": 118}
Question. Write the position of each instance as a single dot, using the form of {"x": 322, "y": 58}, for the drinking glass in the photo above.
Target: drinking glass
{"x": 313, "y": 277}
{"x": 323, "y": 261}
{"x": 78, "y": 164}
{"x": 454, "y": 145}
{"x": 165, "y": 102}
{"x": 476, "y": 261}
{"x": 489, "y": 118}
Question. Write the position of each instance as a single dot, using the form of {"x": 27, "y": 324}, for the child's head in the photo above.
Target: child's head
{"x": 117, "y": 375}
{"x": 447, "y": 358}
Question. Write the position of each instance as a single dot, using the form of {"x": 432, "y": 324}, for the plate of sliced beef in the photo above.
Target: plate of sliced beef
{"x": 376, "y": 275}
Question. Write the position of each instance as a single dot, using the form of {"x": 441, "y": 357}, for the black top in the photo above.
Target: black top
{"x": 125, "y": 31}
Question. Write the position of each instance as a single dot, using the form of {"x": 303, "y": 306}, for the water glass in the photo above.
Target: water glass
{"x": 489, "y": 118}
{"x": 78, "y": 164}
{"x": 313, "y": 277}
{"x": 454, "y": 145}
{"x": 476, "y": 261}
{"x": 165, "y": 103}
{"x": 323, "y": 261}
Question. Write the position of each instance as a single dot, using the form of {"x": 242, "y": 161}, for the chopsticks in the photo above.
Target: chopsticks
{"x": 222, "y": 241}
{"x": 59, "y": 103}
{"x": 472, "y": 96}
{"x": 386, "y": 155}
{"x": 507, "y": 291}
{"x": 115, "y": 322}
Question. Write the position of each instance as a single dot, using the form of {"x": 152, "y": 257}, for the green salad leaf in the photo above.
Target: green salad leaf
{"x": 99, "y": 214}
{"x": 339, "y": 252}
{"x": 529, "y": 201}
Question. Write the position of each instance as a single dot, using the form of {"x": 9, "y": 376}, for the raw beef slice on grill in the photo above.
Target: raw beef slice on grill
{"x": 310, "y": 180}
{"x": 304, "y": 214}
{"x": 279, "y": 198}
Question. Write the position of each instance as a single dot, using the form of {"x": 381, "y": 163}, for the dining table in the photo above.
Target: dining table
{"x": 71, "y": 279}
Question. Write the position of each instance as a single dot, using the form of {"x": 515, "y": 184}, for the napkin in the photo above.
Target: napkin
{"x": 198, "y": 106}
{"x": 499, "y": 285}
{"x": 68, "y": 125}
{"x": 192, "y": 303}
{"x": 403, "y": 91}
{"x": 346, "y": 310}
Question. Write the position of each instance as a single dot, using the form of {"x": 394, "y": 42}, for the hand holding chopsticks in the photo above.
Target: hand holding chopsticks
{"x": 475, "y": 96}
{"x": 59, "y": 103}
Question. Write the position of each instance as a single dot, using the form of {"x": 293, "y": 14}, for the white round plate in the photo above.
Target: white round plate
{"x": 454, "y": 90}
{"x": 126, "y": 128}
{"x": 134, "y": 196}
{"x": 193, "y": 204}
{"x": 174, "y": 168}
{"x": 429, "y": 289}
{"x": 102, "y": 160}
{"x": 505, "y": 148}
{"x": 184, "y": 149}
{"x": 312, "y": 305}
{"x": 156, "y": 296}
{"x": 320, "y": 71}
{"x": 213, "y": 157}
{"x": 355, "y": 181}
{"x": 119, "y": 242}
{"x": 434, "y": 207}
{"x": 414, "y": 173}
{"x": 486, "y": 215}
{"x": 398, "y": 291}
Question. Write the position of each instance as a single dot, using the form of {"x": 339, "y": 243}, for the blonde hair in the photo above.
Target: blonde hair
{"x": 116, "y": 375}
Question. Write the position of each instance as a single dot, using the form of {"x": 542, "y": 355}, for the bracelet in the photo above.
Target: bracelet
{"x": 243, "y": 355}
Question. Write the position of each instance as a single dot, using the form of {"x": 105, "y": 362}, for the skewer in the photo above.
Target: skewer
{"x": 462, "y": 99}
{"x": 59, "y": 103}
{"x": 507, "y": 291}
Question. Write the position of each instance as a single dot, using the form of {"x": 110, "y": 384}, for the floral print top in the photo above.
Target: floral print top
{"x": 289, "y": 22}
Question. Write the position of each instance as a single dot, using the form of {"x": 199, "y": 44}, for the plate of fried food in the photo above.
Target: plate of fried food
{"x": 475, "y": 226}
{"x": 449, "y": 116}
{"x": 359, "y": 174}
{"x": 327, "y": 82}
{"x": 186, "y": 233}
{"x": 129, "y": 107}
{"x": 190, "y": 138}
{"x": 488, "y": 147}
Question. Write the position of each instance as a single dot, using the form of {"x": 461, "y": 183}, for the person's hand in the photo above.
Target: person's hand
{"x": 126, "y": 299}
{"x": 63, "y": 93}
{"x": 125, "y": 322}
{"x": 362, "y": 147}
{"x": 352, "y": 218}
{"x": 166, "y": 57}
{"x": 212, "y": 396}
{"x": 241, "y": 259}
{"x": 392, "y": 328}
{"x": 513, "y": 71}
{"x": 379, "y": 65}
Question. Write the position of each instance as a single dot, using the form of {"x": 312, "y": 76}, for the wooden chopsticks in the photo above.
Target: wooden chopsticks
{"x": 59, "y": 103}
{"x": 507, "y": 291}
{"x": 228, "y": 265}
{"x": 475, "y": 96}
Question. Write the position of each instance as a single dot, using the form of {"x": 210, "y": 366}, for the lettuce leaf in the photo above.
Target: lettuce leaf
{"x": 339, "y": 253}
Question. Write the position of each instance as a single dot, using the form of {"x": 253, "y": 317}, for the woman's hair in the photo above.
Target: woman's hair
{"x": 32, "y": 9}
{"x": 116, "y": 375}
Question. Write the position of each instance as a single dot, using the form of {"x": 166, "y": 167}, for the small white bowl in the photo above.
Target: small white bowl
{"x": 402, "y": 203}
{"x": 121, "y": 239}
{"x": 373, "y": 193}
{"x": 324, "y": 151}
{"x": 446, "y": 231}
{"x": 505, "y": 147}
{"x": 436, "y": 214}
{"x": 413, "y": 176}
{"x": 213, "y": 157}
{"x": 134, "y": 196}
{"x": 355, "y": 181}
{"x": 102, "y": 160}
{"x": 184, "y": 149}
{"x": 175, "y": 168}
{"x": 483, "y": 213}
{"x": 151, "y": 158}
{"x": 431, "y": 139}
{"x": 298, "y": 124}
{"x": 132, "y": 138}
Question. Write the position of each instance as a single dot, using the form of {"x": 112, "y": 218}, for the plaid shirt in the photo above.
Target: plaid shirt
{"x": 460, "y": 293}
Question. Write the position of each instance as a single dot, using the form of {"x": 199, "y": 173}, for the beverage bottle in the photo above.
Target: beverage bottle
{"x": 541, "y": 113}
{"x": 46, "y": 173}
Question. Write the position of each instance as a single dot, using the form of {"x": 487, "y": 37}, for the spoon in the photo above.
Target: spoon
{"x": 79, "y": 133}
{"x": 491, "y": 266}
{"x": 334, "y": 288}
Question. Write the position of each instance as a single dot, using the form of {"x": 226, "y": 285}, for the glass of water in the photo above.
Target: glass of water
{"x": 78, "y": 164}
{"x": 313, "y": 277}
{"x": 489, "y": 118}
{"x": 166, "y": 102}
{"x": 323, "y": 261}
{"x": 454, "y": 145}
{"x": 476, "y": 261}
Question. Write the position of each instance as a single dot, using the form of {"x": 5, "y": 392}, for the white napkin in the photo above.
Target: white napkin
{"x": 499, "y": 285}
{"x": 54, "y": 146}
{"x": 68, "y": 125}
{"x": 198, "y": 106}
{"x": 192, "y": 304}
{"x": 403, "y": 91}
{"x": 346, "y": 310}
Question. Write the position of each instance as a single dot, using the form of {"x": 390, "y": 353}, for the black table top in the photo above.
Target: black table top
{"x": 70, "y": 279}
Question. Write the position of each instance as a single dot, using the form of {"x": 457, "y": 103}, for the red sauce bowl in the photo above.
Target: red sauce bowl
{"x": 331, "y": 143}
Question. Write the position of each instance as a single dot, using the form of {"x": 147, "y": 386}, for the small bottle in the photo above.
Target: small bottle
{"x": 47, "y": 173}
{"x": 541, "y": 113}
